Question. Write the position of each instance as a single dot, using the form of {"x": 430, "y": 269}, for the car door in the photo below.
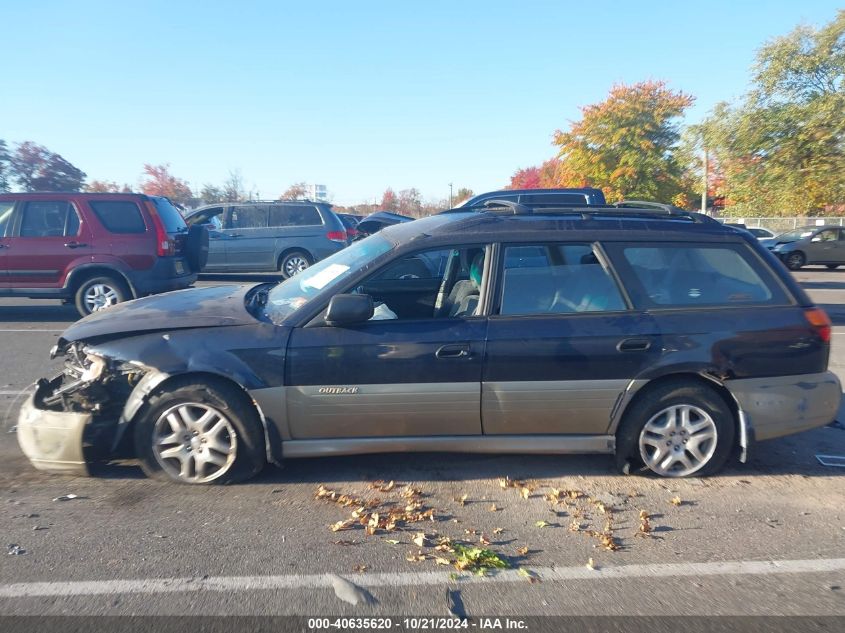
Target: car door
{"x": 824, "y": 246}
{"x": 213, "y": 219}
{"x": 250, "y": 243}
{"x": 404, "y": 373}
{"x": 562, "y": 343}
{"x": 48, "y": 236}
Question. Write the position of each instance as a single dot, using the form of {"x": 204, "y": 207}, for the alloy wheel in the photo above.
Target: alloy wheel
{"x": 100, "y": 296}
{"x": 194, "y": 442}
{"x": 678, "y": 440}
{"x": 295, "y": 264}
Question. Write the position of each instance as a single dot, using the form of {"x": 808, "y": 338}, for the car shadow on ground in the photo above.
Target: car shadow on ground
{"x": 241, "y": 277}
{"x": 785, "y": 456}
{"x": 55, "y": 313}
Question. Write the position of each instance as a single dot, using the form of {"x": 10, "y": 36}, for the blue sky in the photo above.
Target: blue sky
{"x": 358, "y": 96}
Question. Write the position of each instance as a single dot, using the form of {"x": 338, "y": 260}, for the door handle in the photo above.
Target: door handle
{"x": 234, "y": 234}
{"x": 75, "y": 244}
{"x": 633, "y": 345}
{"x": 459, "y": 350}
{"x": 3, "y": 246}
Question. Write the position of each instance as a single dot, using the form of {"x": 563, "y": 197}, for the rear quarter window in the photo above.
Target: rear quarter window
{"x": 682, "y": 275}
{"x": 119, "y": 216}
{"x": 294, "y": 215}
{"x": 170, "y": 217}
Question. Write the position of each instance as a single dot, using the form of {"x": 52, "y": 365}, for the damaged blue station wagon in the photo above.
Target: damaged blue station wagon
{"x": 655, "y": 335}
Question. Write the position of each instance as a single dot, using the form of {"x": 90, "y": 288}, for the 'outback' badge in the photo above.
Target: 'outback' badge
{"x": 337, "y": 390}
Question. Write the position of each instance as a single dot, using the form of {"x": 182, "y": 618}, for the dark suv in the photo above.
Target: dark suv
{"x": 282, "y": 235}
{"x": 657, "y": 336}
{"x": 95, "y": 249}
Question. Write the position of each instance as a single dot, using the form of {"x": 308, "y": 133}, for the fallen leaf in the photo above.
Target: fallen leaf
{"x": 498, "y": 530}
{"x": 493, "y": 508}
{"x": 591, "y": 564}
{"x": 675, "y": 501}
{"x": 525, "y": 492}
{"x": 392, "y": 541}
{"x": 470, "y": 531}
{"x": 439, "y": 560}
{"x": 505, "y": 482}
{"x": 68, "y": 497}
{"x": 522, "y": 551}
{"x": 415, "y": 558}
{"x": 483, "y": 539}
{"x": 462, "y": 499}
{"x": 345, "y": 542}
{"x": 342, "y": 525}
{"x": 369, "y": 530}
{"x": 541, "y": 524}
{"x": 419, "y": 539}
{"x": 361, "y": 568}
{"x": 575, "y": 526}
{"x": 530, "y": 575}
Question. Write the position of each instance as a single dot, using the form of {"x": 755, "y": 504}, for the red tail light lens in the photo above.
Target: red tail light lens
{"x": 165, "y": 247}
{"x": 820, "y": 321}
{"x": 337, "y": 236}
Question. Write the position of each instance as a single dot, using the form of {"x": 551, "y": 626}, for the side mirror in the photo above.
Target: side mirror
{"x": 349, "y": 310}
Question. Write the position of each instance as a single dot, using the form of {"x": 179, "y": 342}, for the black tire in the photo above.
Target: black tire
{"x": 795, "y": 260}
{"x": 650, "y": 403}
{"x": 291, "y": 263}
{"x": 106, "y": 288}
{"x": 247, "y": 454}
{"x": 832, "y": 266}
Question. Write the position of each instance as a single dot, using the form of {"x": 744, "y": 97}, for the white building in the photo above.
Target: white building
{"x": 316, "y": 192}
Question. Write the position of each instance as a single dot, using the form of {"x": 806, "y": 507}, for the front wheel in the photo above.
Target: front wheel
{"x": 832, "y": 266}
{"x": 677, "y": 429}
{"x": 200, "y": 433}
{"x": 294, "y": 262}
{"x": 795, "y": 260}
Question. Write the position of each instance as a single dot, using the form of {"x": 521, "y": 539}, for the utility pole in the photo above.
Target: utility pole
{"x": 704, "y": 185}
{"x": 450, "y": 195}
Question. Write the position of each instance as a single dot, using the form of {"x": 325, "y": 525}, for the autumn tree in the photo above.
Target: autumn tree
{"x": 409, "y": 202}
{"x": 626, "y": 144}
{"x": 389, "y": 200}
{"x": 158, "y": 181}
{"x": 527, "y": 178}
{"x": 462, "y": 194}
{"x": 296, "y": 191}
{"x": 106, "y": 186}
{"x": 35, "y": 168}
{"x": 782, "y": 148}
{"x": 5, "y": 184}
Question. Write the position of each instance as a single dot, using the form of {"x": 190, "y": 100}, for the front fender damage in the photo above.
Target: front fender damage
{"x": 74, "y": 418}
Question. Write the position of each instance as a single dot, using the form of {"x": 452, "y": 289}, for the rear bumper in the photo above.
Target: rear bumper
{"x": 167, "y": 274}
{"x": 52, "y": 440}
{"x": 784, "y": 405}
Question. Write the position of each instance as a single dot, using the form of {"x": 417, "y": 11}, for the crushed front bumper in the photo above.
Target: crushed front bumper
{"x": 53, "y": 440}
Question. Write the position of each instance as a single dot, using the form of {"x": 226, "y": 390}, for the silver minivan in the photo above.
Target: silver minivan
{"x": 809, "y": 245}
{"x": 284, "y": 236}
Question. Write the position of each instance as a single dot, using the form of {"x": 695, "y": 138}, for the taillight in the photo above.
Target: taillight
{"x": 165, "y": 247}
{"x": 337, "y": 236}
{"x": 820, "y": 321}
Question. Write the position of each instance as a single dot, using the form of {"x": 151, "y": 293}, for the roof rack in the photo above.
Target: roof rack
{"x": 627, "y": 208}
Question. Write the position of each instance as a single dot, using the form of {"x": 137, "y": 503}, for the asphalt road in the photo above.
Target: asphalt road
{"x": 763, "y": 538}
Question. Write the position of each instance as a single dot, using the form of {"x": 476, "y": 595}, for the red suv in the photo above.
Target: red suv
{"x": 95, "y": 249}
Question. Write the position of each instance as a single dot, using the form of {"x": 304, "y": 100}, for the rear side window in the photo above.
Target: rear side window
{"x": 556, "y": 279}
{"x": 119, "y": 216}
{"x": 170, "y": 217}
{"x": 49, "y": 218}
{"x": 5, "y": 216}
{"x": 682, "y": 275}
{"x": 252, "y": 217}
{"x": 294, "y": 215}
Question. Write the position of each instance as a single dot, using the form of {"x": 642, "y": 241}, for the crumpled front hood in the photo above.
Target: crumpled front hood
{"x": 215, "y": 306}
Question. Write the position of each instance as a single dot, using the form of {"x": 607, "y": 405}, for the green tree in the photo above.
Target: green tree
{"x": 5, "y": 184}
{"x": 36, "y": 168}
{"x": 782, "y": 148}
{"x": 626, "y": 144}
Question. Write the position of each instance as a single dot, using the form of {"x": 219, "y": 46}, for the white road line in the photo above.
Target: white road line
{"x": 11, "y": 393}
{"x": 31, "y": 330}
{"x": 317, "y": 581}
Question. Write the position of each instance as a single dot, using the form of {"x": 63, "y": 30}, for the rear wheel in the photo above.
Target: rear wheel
{"x": 200, "y": 433}
{"x": 99, "y": 293}
{"x": 294, "y": 262}
{"x": 832, "y": 266}
{"x": 677, "y": 429}
{"x": 795, "y": 260}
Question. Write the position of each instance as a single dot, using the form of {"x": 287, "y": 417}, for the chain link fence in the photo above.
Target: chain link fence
{"x": 781, "y": 225}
